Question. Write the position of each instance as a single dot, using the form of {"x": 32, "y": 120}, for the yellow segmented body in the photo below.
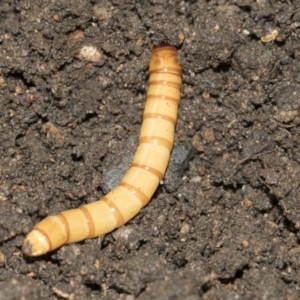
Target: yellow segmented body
{"x": 142, "y": 179}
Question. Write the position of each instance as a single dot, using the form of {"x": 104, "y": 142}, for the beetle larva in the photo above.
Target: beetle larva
{"x": 142, "y": 179}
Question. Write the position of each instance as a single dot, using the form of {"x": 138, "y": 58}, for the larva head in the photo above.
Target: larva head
{"x": 35, "y": 244}
{"x": 164, "y": 59}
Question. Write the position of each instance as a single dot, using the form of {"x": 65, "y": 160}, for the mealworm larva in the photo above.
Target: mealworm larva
{"x": 142, "y": 179}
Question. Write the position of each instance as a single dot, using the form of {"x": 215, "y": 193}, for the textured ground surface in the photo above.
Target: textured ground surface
{"x": 228, "y": 227}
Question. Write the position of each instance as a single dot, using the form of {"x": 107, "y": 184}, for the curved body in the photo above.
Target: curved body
{"x": 142, "y": 179}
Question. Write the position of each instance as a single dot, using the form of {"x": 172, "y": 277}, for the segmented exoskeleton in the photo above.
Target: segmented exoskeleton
{"x": 142, "y": 179}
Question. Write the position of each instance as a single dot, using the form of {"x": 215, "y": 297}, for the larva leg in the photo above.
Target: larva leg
{"x": 140, "y": 182}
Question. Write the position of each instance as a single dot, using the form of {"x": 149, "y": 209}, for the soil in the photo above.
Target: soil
{"x": 73, "y": 79}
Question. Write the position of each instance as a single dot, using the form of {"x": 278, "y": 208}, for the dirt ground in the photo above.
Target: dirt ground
{"x": 226, "y": 226}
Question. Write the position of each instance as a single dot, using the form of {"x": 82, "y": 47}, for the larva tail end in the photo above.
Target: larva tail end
{"x": 35, "y": 244}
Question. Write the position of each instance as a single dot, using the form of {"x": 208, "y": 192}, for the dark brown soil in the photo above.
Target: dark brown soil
{"x": 228, "y": 226}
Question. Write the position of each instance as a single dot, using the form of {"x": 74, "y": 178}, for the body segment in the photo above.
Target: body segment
{"x": 142, "y": 179}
